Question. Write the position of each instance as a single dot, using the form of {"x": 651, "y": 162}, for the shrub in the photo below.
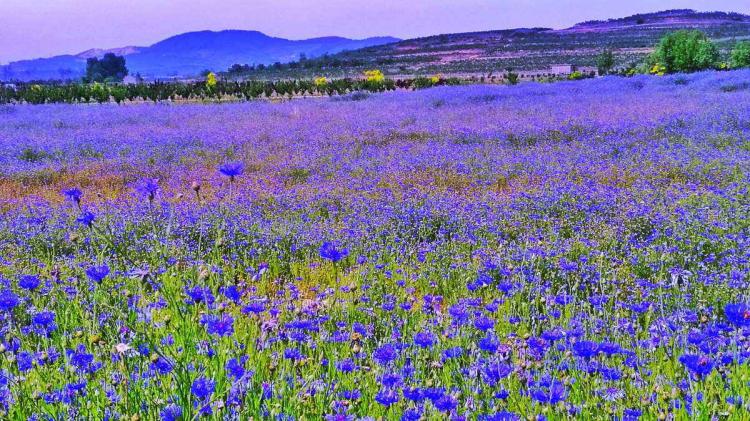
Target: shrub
{"x": 685, "y": 51}
{"x": 741, "y": 55}
{"x": 605, "y": 62}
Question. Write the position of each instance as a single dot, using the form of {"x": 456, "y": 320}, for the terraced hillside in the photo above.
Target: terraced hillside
{"x": 531, "y": 49}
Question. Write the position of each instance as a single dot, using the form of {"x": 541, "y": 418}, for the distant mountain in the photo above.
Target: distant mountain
{"x": 190, "y": 53}
{"x": 536, "y": 49}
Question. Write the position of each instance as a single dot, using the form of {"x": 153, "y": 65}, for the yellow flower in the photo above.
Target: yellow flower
{"x": 374, "y": 76}
{"x": 321, "y": 81}
{"x": 210, "y": 80}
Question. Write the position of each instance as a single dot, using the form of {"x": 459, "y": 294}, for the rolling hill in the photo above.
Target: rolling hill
{"x": 532, "y": 49}
{"x": 190, "y": 53}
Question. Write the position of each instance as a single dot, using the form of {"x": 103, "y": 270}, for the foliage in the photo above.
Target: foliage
{"x": 374, "y": 76}
{"x": 211, "y": 81}
{"x": 110, "y": 68}
{"x": 543, "y": 251}
{"x": 605, "y": 62}
{"x": 685, "y": 51}
{"x": 741, "y": 55}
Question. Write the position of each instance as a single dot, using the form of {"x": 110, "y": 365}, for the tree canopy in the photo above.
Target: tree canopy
{"x": 741, "y": 54}
{"x": 685, "y": 51}
{"x": 110, "y": 68}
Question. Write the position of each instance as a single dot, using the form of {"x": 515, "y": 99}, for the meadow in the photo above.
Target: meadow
{"x": 576, "y": 250}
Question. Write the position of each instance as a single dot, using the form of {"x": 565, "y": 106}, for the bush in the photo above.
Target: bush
{"x": 605, "y": 62}
{"x": 741, "y": 55}
{"x": 685, "y": 51}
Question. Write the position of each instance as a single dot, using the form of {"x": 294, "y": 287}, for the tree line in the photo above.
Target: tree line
{"x": 210, "y": 89}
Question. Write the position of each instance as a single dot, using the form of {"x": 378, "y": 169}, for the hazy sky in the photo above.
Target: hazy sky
{"x": 40, "y": 28}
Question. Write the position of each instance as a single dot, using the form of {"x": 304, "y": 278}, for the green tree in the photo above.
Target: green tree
{"x": 110, "y": 68}
{"x": 605, "y": 62}
{"x": 741, "y": 55}
{"x": 685, "y": 51}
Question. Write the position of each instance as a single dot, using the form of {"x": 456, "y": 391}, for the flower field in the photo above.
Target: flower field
{"x": 576, "y": 250}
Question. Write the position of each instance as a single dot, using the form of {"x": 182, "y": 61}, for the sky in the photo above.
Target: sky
{"x": 42, "y": 28}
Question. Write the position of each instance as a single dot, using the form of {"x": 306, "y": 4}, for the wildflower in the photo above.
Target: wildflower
{"x": 446, "y": 403}
{"x": 700, "y": 365}
{"x": 254, "y": 307}
{"x": 548, "y": 391}
{"x": 489, "y": 343}
{"x": 425, "y": 339}
{"x": 74, "y": 194}
{"x": 219, "y": 325}
{"x": 387, "y": 397}
{"x": 484, "y": 323}
{"x": 82, "y": 360}
{"x": 45, "y": 320}
{"x": 29, "y": 282}
{"x": 122, "y": 348}
{"x": 232, "y": 170}
{"x": 329, "y": 251}
{"x": 202, "y": 388}
{"x": 586, "y": 349}
{"x": 86, "y": 218}
{"x": 148, "y": 187}
{"x": 385, "y": 354}
{"x": 236, "y": 367}
{"x": 631, "y": 414}
{"x": 293, "y": 354}
{"x": 738, "y": 314}
{"x": 97, "y": 273}
{"x": 8, "y": 300}
{"x": 612, "y": 394}
{"x": 171, "y": 412}
{"x": 346, "y": 366}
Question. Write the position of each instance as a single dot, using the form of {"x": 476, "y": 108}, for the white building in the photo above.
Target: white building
{"x": 562, "y": 69}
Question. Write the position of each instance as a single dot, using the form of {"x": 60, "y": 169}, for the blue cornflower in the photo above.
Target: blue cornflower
{"x": 414, "y": 394}
{"x": 161, "y": 366}
{"x": 25, "y": 361}
{"x": 171, "y": 412}
{"x": 631, "y": 414}
{"x": 425, "y": 339}
{"x": 255, "y": 307}
{"x": 484, "y": 323}
{"x": 548, "y": 391}
{"x": 86, "y": 218}
{"x": 446, "y": 403}
{"x": 700, "y": 365}
{"x": 586, "y": 349}
{"x": 329, "y": 251}
{"x": 346, "y": 366}
{"x": 236, "y": 367}
{"x": 232, "y": 169}
{"x": 414, "y": 414}
{"x": 148, "y": 187}
{"x": 500, "y": 416}
{"x": 293, "y": 354}
{"x": 45, "y": 319}
{"x": 82, "y": 360}
{"x": 738, "y": 314}
{"x": 489, "y": 343}
{"x": 453, "y": 352}
{"x": 385, "y": 354}
{"x": 202, "y": 388}
{"x": 198, "y": 294}
{"x": 29, "y": 282}
{"x": 97, "y": 273}
{"x": 218, "y": 325}
{"x": 387, "y": 397}
{"x": 8, "y": 300}
{"x": 74, "y": 194}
